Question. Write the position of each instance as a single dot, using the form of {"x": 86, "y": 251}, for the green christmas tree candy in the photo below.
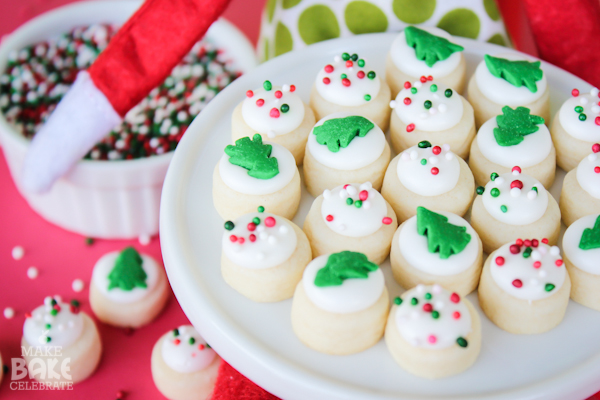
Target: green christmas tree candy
{"x": 342, "y": 266}
{"x": 517, "y": 73}
{"x": 428, "y": 47}
{"x": 590, "y": 239}
{"x": 339, "y": 132}
{"x": 513, "y": 125}
{"x": 442, "y": 236}
{"x": 254, "y": 156}
{"x": 127, "y": 272}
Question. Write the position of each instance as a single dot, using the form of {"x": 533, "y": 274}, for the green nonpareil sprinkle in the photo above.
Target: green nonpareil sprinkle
{"x": 424, "y": 144}
{"x": 495, "y": 192}
{"x": 358, "y": 203}
{"x": 367, "y": 97}
{"x": 433, "y": 88}
{"x": 261, "y": 209}
{"x": 361, "y": 63}
{"x": 256, "y": 221}
{"x": 229, "y": 225}
{"x": 413, "y": 90}
{"x": 345, "y": 56}
{"x": 428, "y": 296}
{"x": 285, "y": 108}
{"x": 435, "y": 314}
{"x": 75, "y": 303}
{"x": 579, "y": 109}
{"x": 549, "y": 287}
{"x": 397, "y": 300}
{"x": 423, "y": 161}
{"x": 427, "y": 104}
{"x": 192, "y": 341}
{"x": 343, "y": 76}
{"x": 371, "y": 75}
{"x": 448, "y": 93}
{"x": 480, "y": 190}
{"x": 175, "y": 332}
{"x": 267, "y": 85}
{"x": 503, "y": 208}
{"x": 462, "y": 342}
{"x": 349, "y": 201}
{"x": 527, "y": 252}
{"x": 414, "y": 301}
{"x": 493, "y": 176}
{"x": 582, "y": 117}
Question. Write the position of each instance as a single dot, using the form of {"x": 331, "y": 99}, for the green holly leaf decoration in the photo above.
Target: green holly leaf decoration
{"x": 339, "y": 132}
{"x": 513, "y": 125}
{"x": 342, "y": 266}
{"x": 127, "y": 272}
{"x": 517, "y": 73}
{"x": 442, "y": 236}
{"x": 428, "y": 47}
{"x": 254, "y": 156}
{"x": 590, "y": 239}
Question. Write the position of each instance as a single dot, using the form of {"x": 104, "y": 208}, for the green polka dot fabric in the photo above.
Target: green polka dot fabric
{"x": 293, "y": 24}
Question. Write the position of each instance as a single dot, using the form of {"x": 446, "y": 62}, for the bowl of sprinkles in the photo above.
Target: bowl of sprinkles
{"x": 114, "y": 191}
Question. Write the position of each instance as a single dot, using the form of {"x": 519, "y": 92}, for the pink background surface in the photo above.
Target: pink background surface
{"x": 62, "y": 256}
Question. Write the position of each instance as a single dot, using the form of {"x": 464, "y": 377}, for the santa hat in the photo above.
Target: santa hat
{"x": 138, "y": 59}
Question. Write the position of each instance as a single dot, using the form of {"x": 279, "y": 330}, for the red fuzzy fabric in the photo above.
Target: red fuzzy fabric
{"x": 145, "y": 50}
{"x": 231, "y": 385}
{"x": 567, "y": 34}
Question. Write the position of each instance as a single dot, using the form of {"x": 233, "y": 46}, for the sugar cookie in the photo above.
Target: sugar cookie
{"x": 278, "y": 114}
{"x": 432, "y": 332}
{"x": 580, "y": 193}
{"x": 128, "y": 289}
{"x": 576, "y": 127}
{"x": 514, "y": 138}
{"x": 508, "y": 79}
{"x": 345, "y": 147}
{"x": 428, "y": 176}
{"x": 430, "y": 110}
{"x": 437, "y": 247}
{"x": 524, "y": 287}
{"x": 354, "y": 217}
{"x": 58, "y": 334}
{"x": 348, "y": 85}
{"x": 184, "y": 366}
{"x": 581, "y": 254}
{"x": 341, "y": 304}
{"x": 425, "y": 51}
{"x": 252, "y": 173}
{"x": 263, "y": 256}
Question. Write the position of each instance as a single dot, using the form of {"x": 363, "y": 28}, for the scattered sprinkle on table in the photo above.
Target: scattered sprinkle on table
{"x": 9, "y": 313}
{"x": 77, "y": 285}
{"x": 18, "y": 252}
{"x": 32, "y": 272}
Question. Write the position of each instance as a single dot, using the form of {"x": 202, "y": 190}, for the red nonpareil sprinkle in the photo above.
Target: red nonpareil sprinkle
{"x": 430, "y": 78}
{"x": 176, "y": 342}
{"x": 27, "y": 315}
{"x": 73, "y": 309}
{"x": 278, "y": 94}
{"x": 407, "y": 85}
{"x": 537, "y": 264}
{"x": 407, "y": 101}
{"x": 386, "y": 220}
{"x": 292, "y": 88}
{"x": 251, "y": 226}
{"x": 596, "y": 146}
{"x": 200, "y": 347}
{"x": 360, "y": 74}
{"x": 436, "y": 150}
{"x": 363, "y": 195}
{"x": 597, "y": 120}
{"x": 545, "y": 240}
{"x": 432, "y": 339}
{"x": 515, "y": 249}
{"x": 274, "y": 113}
{"x": 499, "y": 260}
{"x": 120, "y": 395}
{"x": 326, "y": 80}
{"x": 410, "y": 127}
{"x": 427, "y": 307}
{"x": 516, "y": 184}
{"x": 597, "y": 170}
{"x": 233, "y": 238}
{"x": 346, "y": 82}
{"x": 346, "y": 185}
{"x": 575, "y": 92}
{"x": 519, "y": 242}
{"x": 349, "y": 63}
{"x": 456, "y": 315}
{"x": 249, "y": 93}
{"x": 56, "y": 307}
{"x": 270, "y": 222}
{"x": 329, "y": 218}
{"x": 252, "y": 237}
{"x": 559, "y": 263}
{"x": 527, "y": 243}
{"x": 423, "y": 79}
{"x": 435, "y": 170}
{"x": 329, "y": 68}
{"x": 517, "y": 169}
{"x": 517, "y": 283}
{"x": 241, "y": 240}
{"x": 260, "y": 102}
{"x": 535, "y": 243}
{"x": 455, "y": 298}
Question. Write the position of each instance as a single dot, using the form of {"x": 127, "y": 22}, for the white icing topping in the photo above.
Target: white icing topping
{"x": 105, "y": 265}
{"x": 405, "y": 58}
{"x": 64, "y": 328}
{"x": 445, "y": 112}
{"x": 259, "y": 246}
{"x": 420, "y": 329}
{"x": 501, "y": 91}
{"x": 183, "y": 356}
{"x": 237, "y": 178}
{"x": 587, "y": 176}
{"x": 587, "y": 130}
{"x": 354, "y": 94}
{"x": 438, "y": 175}
{"x": 414, "y": 249}
{"x": 526, "y": 278}
{"x": 523, "y": 206}
{"x": 349, "y": 220}
{"x": 534, "y": 148}
{"x": 361, "y": 151}
{"x": 351, "y": 296}
{"x": 585, "y": 260}
{"x": 259, "y": 115}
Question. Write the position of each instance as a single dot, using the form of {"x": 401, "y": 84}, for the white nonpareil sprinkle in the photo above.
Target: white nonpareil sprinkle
{"x": 32, "y": 272}
{"x": 144, "y": 240}
{"x": 9, "y": 313}
{"x": 77, "y": 285}
{"x": 18, "y": 252}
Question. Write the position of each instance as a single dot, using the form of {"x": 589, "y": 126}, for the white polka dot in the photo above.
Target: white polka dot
{"x": 9, "y": 313}
{"x": 18, "y": 252}
{"x": 77, "y": 285}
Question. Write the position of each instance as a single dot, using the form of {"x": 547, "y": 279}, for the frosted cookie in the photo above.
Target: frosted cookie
{"x": 252, "y": 173}
{"x": 59, "y": 334}
{"x": 184, "y": 366}
{"x": 128, "y": 289}
{"x": 428, "y": 176}
{"x": 425, "y": 51}
{"x": 429, "y": 110}
{"x": 508, "y": 79}
{"x": 263, "y": 256}
{"x": 580, "y": 193}
{"x": 354, "y": 217}
{"x": 576, "y": 127}
{"x": 278, "y": 114}
{"x": 437, "y": 247}
{"x": 432, "y": 332}
{"x": 511, "y": 206}
{"x": 514, "y": 138}
{"x": 581, "y": 248}
{"x": 341, "y": 304}
{"x": 524, "y": 287}
{"x": 345, "y": 147}
{"x": 348, "y": 85}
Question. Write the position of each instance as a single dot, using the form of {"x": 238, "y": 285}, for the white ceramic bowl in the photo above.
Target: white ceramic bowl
{"x": 102, "y": 199}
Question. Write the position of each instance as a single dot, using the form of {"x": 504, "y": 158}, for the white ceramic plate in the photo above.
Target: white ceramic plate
{"x": 257, "y": 339}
